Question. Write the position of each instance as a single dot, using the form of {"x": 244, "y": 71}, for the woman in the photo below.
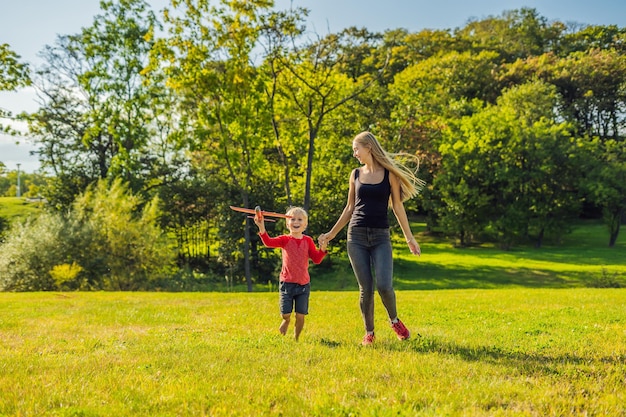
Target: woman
{"x": 380, "y": 180}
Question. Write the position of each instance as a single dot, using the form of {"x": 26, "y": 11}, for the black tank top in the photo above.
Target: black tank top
{"x": 371, "y": 203}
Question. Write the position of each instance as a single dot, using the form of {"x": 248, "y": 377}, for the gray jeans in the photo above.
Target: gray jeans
{"x": 369, "y": 250}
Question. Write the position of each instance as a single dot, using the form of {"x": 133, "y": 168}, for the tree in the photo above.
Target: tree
{"x": 514, "y": 34}
{"x": 591, "y": 85}
{"x": 13, "y": 75}
{"x": 596, "y": 98}
{"x": 547, "y": 157}
{"x": 508, "y": 170}
{"x": 208, "y": 63}
{"x": 310, "y": 81}
{"x": 95, "y": 119}
{"x": 278, "y": 32}
{"x": 465, "y": 182}
{"x": 409, "y": 49}
{"x": 591, "y": 37}
{"x": 605, "y": 181}
{"x": 312, "y": 91}
{"x": 433, "y": 94}
{"x": 250, "y": 118}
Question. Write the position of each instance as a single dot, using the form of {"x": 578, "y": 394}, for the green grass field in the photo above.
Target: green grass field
{"x": 15, "y": 208}
{"x": 526, "y": 332}
{"x": 583, "y": 259}
{"x": 504, "y": 352}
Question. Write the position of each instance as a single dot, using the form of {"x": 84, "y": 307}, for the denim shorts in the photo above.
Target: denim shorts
{"x": 294, "y": 295}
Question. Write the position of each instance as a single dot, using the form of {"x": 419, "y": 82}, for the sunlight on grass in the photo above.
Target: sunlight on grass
{"x": 481, "y": 352}
{"x": 582, "y": 260}
{"x": 18, "y": 209}
{"x": 494, "y": 333}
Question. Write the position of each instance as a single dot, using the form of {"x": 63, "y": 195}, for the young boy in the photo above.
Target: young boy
{"x": 297, "y": 249}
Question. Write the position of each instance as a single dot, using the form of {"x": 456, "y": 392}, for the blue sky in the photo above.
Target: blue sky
{"x": 28, "y": 25}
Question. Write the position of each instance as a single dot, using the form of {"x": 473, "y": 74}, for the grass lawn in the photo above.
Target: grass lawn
{"x": 583, "y": 259}
{"x": 526, "y": 332}
{"x": 15, "y": 208}
{"x": 506, "y": 352}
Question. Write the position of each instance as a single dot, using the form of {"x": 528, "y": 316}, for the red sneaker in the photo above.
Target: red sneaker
{"x": 368, "y": 339}
{"x": 401, "y": 331}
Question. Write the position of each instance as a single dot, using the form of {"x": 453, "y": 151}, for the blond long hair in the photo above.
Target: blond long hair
{"x": 410, "y": 184}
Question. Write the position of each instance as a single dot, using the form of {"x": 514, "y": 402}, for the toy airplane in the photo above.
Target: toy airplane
{"x": 257, "y": 209}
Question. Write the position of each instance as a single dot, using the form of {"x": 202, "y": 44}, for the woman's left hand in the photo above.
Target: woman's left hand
{"x": 323, "y": 239}
{"x": 414, "y": 247}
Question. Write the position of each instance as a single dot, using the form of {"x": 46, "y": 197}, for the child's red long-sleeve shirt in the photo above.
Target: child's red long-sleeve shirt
{"x": 296, "y": 255}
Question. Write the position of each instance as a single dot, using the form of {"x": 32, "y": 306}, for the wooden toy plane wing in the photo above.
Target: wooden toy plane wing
{"x": 264, "y": 213}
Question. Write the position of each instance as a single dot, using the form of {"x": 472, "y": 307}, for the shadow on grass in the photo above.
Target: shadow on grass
{"x": 526, "y": 362}
{"x": 483, "y": 269}
{"x": 433, "y": 277}
{"x": 582, "y": 253}
{"x": 408, "y": 276}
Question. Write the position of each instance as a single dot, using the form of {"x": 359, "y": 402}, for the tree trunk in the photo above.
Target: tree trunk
{"x": 309, "y": 167}
{"x": 615, "y": 228}
{"x": 539, "y": 241}
{"x": 246, "y": 245}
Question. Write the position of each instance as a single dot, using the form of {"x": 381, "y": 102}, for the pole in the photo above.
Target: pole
{"x": 19, "y": 186}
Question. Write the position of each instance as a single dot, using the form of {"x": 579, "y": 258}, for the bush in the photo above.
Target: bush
{"x": 65, "y": 273}
{"x": 606, "y": 280}
{"x": 30, "y": 251}
{"x": 107, "y": 241}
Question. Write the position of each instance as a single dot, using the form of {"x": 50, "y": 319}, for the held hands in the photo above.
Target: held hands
{"x": 323, "y": 240}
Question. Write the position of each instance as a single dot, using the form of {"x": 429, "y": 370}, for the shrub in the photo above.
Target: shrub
{"x": 108, "y": 241}
{"x": 30, "y": 251}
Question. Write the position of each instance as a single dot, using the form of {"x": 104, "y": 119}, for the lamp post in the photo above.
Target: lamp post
{"x": 19, "y": 186}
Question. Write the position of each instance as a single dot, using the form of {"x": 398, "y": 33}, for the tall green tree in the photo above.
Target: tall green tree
{"x": 318, "y": 79}
{"x": 546, "y": 158}
{"x": 278, "y": 31}
{"x": 605, "y": 181}
{"x": 509, "y": 170}
{"x": 207, "y": 60}
{"x": 434, "y": 93}
{"x": 94, "y": 120}
{"x": 13, "y": 75}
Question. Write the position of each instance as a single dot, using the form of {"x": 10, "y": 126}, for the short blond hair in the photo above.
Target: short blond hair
{"x": 292, "y": 211}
